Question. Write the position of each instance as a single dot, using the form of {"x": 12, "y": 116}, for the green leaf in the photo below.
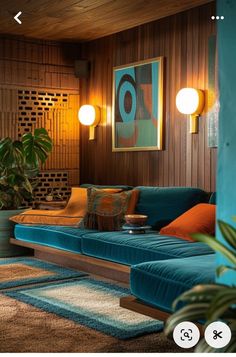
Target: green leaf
{"x": 221, "y": 303}
{"x": 221, "y": 269}
{"x": 231, "y": 347}
{"x": 192, "y": 312}
{"x": 36, "y": 147}
{"x": 199, "y": 293}
{"x": 217, "y": 246}
{"x": 40, "y": 131}
{"x": 203, "y": 347}
{"x": 19, "y": 165}
{"x": 228, "y": 232}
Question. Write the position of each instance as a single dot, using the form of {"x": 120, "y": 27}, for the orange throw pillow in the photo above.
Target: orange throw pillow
{"x": 199, "y": 219}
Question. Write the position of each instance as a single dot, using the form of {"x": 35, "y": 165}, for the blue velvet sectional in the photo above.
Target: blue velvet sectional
{"x": 162, "y": 267}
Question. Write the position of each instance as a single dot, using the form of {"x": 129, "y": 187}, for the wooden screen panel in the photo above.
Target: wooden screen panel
{"x": 33, "y": 105}
{"x": 24, "y": 109}
{"x": 8, "y": 113}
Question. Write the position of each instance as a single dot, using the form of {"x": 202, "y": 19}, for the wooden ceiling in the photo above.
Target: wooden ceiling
{"x": 83, "y": 20}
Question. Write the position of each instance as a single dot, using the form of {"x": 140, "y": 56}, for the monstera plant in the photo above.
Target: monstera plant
{"x": 19, "y": 167}
{"x": 211, "y": 302}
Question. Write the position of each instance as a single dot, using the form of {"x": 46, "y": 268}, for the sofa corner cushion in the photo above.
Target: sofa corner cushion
{"x": 164, "y": 204}
{"x": 159, "y": 283}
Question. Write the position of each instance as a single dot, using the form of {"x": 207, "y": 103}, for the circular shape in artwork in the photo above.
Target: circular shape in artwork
{"x": 127, "y": 91}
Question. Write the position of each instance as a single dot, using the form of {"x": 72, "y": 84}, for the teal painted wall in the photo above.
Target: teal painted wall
{"x": 226, "y": 179}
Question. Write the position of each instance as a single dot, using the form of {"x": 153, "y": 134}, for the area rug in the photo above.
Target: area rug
{"x": 23, "y": 271}
{"x": 91, "y": 303}
{"x": 25, "y": 328}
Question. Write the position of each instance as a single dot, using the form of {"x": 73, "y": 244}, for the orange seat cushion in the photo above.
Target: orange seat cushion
{"x": 199, "y": 219}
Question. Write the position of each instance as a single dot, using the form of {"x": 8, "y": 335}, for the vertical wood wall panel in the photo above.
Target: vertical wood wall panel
{"x": 186, "y": 159}
{"x": 38, "y": 88}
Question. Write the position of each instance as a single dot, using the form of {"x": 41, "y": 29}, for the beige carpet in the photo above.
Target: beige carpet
{"x": 24, "y": 328}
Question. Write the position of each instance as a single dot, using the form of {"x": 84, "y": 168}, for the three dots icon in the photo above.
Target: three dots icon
{"x": 217, "y": 17}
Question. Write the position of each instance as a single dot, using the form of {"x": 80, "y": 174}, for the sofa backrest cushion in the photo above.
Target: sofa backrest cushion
{"x": 212, "y": 199}
{"x": 164, "y": 204}
{"x": 122, "y": 187}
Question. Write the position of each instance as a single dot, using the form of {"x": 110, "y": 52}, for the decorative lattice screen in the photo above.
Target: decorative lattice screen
{"x": 57, "y": 112}
{"x": 34, "y": 104}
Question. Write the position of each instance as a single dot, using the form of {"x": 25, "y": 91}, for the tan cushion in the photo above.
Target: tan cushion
{"x": 71, "y": 215}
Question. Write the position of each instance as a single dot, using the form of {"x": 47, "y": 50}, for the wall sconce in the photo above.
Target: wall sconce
{"x": 190, "y": 101}
{"x": 89, "y": 115}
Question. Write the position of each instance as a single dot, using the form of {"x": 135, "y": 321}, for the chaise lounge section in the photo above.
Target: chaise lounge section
{"x": 169, "y": 279}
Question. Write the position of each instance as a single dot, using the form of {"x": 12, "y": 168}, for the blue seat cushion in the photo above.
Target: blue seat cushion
{"x": 65, "y": 238}
{"x": 160, "y": 283}
{"x": 128, "y": 249}
{"x": 164, "y": 204}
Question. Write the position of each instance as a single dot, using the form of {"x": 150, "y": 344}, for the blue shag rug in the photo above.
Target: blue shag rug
{"x": 91, "y": 303}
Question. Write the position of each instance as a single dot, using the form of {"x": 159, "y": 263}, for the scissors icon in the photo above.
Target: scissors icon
{"x": 217, "y": 334}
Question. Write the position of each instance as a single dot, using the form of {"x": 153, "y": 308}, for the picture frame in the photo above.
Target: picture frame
{"x": 137, "y": 106}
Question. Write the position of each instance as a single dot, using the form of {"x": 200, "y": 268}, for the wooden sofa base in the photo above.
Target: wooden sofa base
{"x": 131, "y": 303}
{"x": 86, "y": 263}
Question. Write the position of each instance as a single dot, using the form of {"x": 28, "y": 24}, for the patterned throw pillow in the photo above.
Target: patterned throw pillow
{"x": 106, "y": 210}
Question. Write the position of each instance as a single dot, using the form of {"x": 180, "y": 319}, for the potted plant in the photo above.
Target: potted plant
{"x": 211, "y": 302}
{"x": 19, "y": 167}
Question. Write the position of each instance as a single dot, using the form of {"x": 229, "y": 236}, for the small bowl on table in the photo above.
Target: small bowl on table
{"x": 136, "y": 220}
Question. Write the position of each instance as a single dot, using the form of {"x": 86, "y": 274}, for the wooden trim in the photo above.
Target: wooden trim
{"x": 86, "y": 263}
{"x": 134, "y": 304}
{"x": 131, "y": 303}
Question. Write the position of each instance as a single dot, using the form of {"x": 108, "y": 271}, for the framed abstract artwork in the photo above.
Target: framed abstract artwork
{"x": 137, "y": 123}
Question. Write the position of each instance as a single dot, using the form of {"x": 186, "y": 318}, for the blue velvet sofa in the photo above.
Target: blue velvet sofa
{"x": 161, "y": 267}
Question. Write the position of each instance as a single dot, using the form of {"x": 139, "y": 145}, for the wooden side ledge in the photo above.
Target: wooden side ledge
{"x": 131, "y": 303}
{"x": 78, "y": 261}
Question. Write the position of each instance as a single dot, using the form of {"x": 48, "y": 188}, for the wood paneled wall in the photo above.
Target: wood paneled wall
{"x": 186, "y": 160}
{"x": 38, "y": 88}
